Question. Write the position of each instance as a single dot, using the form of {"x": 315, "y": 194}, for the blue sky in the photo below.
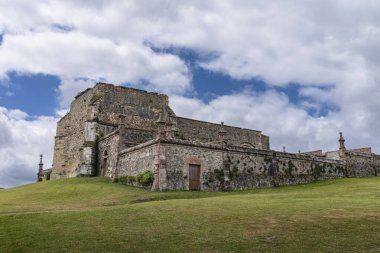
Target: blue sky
{"x": 247, "y": 63}
{"x": 37, "y": 94}
{"x": 33, "y": 94}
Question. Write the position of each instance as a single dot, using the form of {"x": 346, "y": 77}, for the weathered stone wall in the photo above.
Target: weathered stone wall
{"x": 108, "y": 150}
{"x": 95, "y": 113}
{"x": 231, "y": 168}
{"x": 361, "y": 164}
{"x": 140, "y": 108}
{"x": 104, "y": 130}
{"x": 70, "y": 138}
{"x": 334, "y": 155}
{"x": 133, "y": 137}
{"x": 195, "y": 130}
{"x": 265, "y": 144}
{"x": 367, "y": 150}
{"x": 264, "y": 169}
{"x": 179, "y": 157}
{"x": 138, "y": 160}
{"x": 376, "y": 164}
{"x": 237, "y": 167}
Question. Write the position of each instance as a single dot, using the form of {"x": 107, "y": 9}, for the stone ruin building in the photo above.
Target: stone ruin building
{"x": 114, "y": 131}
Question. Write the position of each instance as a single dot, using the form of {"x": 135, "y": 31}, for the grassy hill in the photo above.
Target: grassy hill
{"x": 94, "y": 215}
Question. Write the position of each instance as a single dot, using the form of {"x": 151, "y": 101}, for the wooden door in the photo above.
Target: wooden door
{"x": 194, "y": 177}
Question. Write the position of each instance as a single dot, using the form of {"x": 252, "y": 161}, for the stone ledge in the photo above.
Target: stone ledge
{"x": 249, "y": 151}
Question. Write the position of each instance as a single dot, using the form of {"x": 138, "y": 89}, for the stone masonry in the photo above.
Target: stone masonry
{"x": 115, "y": 131}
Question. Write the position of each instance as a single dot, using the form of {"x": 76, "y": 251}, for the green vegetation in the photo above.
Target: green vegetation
{"x": 94, "y": 215}
{"x": 145, "y": 178}
{"x": 130, "y": 180}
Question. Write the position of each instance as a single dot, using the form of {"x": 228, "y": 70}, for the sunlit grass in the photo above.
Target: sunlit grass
{"x": 94, "y": 215}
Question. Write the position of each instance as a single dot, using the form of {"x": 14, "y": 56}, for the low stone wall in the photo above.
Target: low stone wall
{"x": 362, "y": 164}
{"x": 265, "y": 169}
{"x": 178, "y": 158}
{"x": 226, "y": 168}
{"x": 241, "y": 168}
{"x": 138, "y": 160}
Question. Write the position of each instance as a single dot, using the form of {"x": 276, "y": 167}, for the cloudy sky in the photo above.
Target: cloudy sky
{"x": 300, "y": 71}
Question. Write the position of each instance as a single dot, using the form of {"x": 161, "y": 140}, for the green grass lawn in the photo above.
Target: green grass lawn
{"x": 94, "y": 215}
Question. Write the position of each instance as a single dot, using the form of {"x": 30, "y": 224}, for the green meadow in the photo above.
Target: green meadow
{"x": 95, "y": 215}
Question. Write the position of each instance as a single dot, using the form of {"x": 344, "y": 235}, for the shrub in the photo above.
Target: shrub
{"x": 146, "y": 178}
{"x": 123, "y": 179}
{"x": 131, "y": 179}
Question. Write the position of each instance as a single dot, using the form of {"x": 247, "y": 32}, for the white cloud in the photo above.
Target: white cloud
{"x": 22, "y": 140}
{"x": 286, "y": 124}
{"x": 270, "y": 112}
{"x": 75, "y": 55}
{"x": 330, "y": 47}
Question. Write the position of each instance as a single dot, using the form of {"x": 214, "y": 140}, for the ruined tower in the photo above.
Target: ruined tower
{"x": 94, "y": 114}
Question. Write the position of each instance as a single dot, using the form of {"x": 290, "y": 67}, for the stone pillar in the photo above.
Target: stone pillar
{"x": 121, "y": 132}
{"x": 226, "y": 164}
{"x": 163, "y": 133}
{"x": 40, "y": 174}
{"x": 88, "y": 150}
{"x": 160, "y": 180}
{"x": 171, "y": 130}
{"x": 342, "y": 147}
{"x": 92, "y": 112}
{"x": 222, "y": 134}
{"x": 156, "y": 178}
{"x": 160, "y": 123}
{"x": 120, "y": 147}
{"x": 166, "y": 126}
{"x": 87, "y": 166}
